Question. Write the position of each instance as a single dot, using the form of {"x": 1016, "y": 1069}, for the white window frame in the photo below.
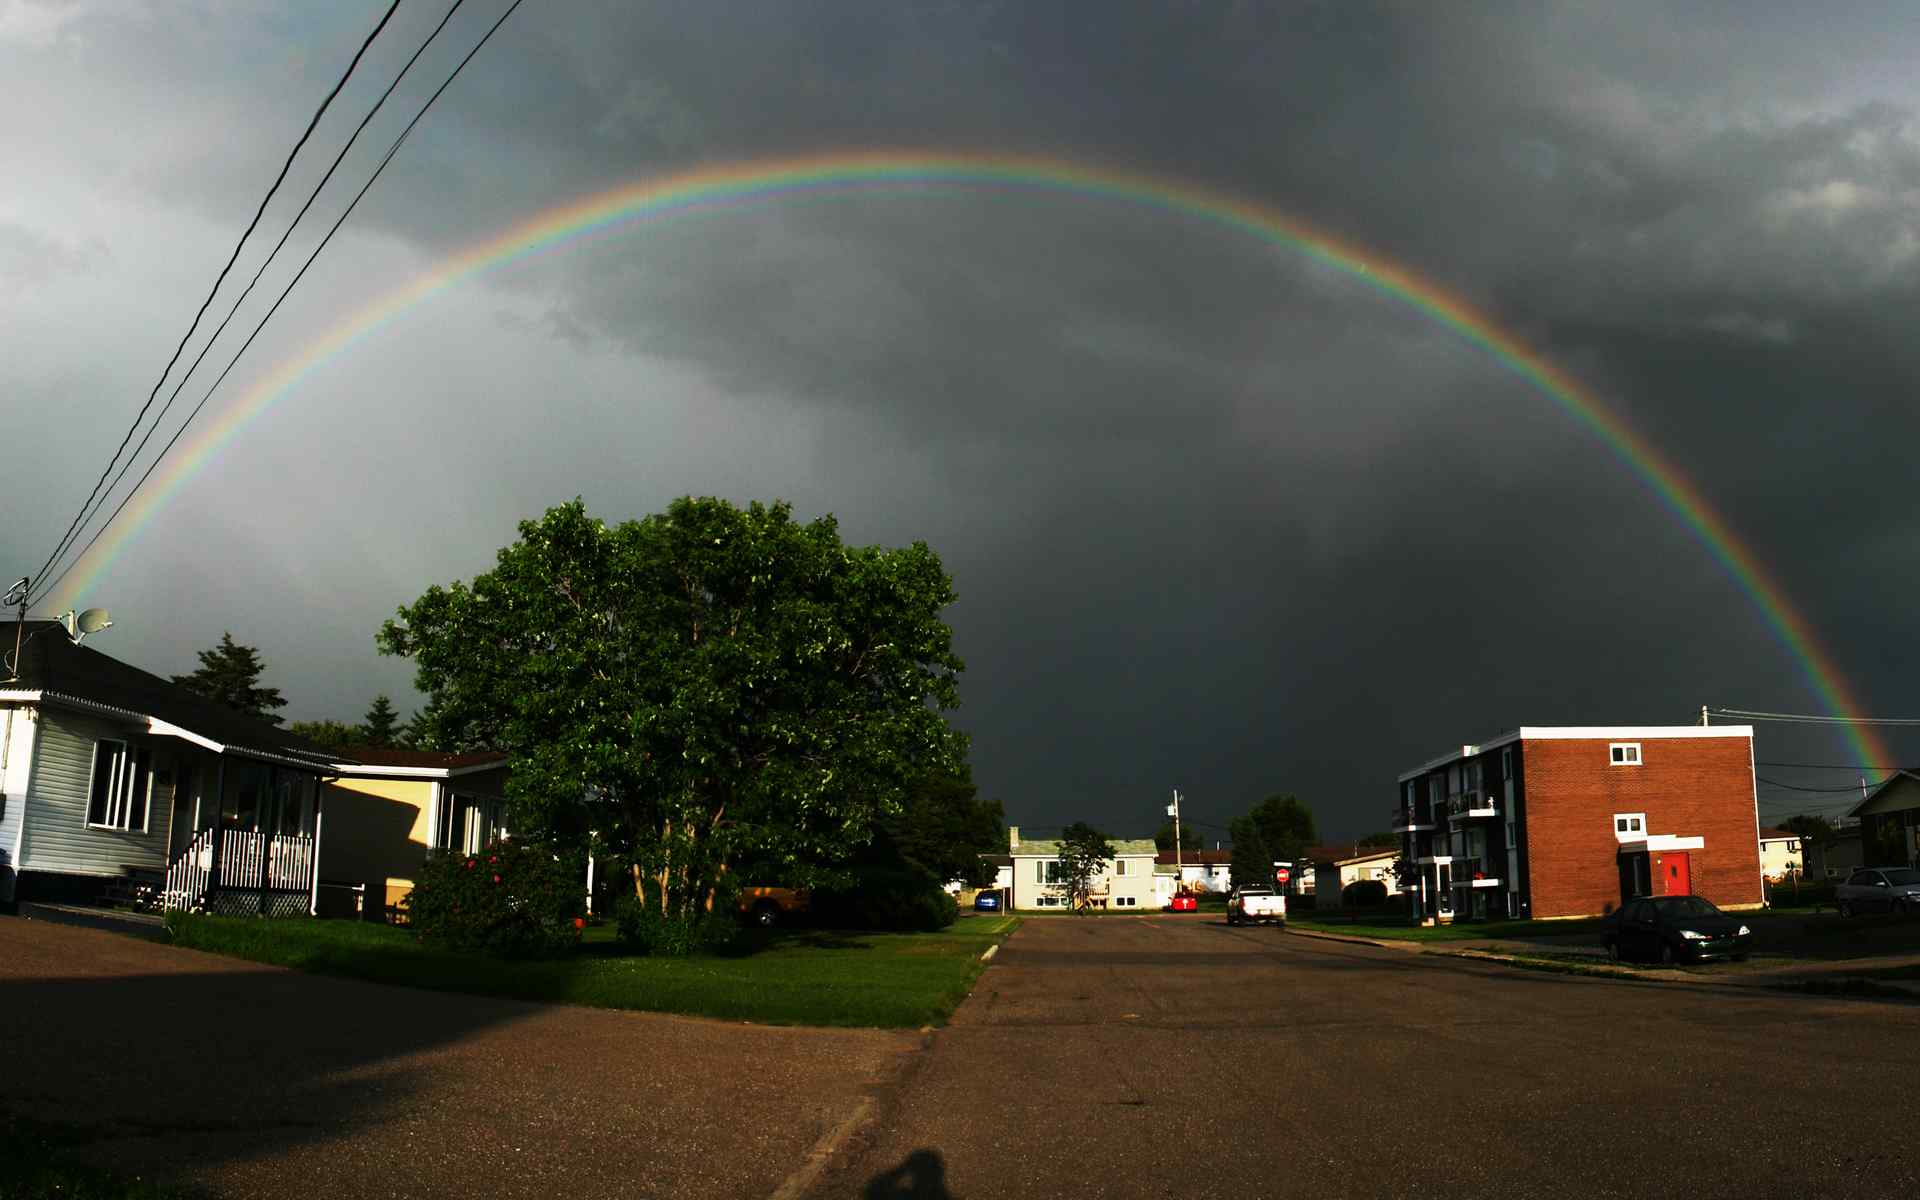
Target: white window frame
{"x": 1624, "y": 754}
{"x": 120, "y": 790}
{"x": 1635, "y": 826}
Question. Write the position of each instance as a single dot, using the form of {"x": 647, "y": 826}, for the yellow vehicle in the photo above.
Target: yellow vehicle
{"x": 770, "y": 906}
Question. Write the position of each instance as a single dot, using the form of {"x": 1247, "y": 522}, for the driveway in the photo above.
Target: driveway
{"x": 1174, "y": 1057}
{"x": 256, "y": 1081}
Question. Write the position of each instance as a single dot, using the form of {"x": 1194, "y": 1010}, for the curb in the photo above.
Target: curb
{"x": 989, "y": 952}
{"x": 1351, "y": 940}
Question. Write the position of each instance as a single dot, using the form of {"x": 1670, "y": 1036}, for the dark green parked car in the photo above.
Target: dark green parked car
{"x": 1675, "y": 929}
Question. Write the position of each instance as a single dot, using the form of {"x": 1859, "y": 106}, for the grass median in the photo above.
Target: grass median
{"x": 796, "y": 977}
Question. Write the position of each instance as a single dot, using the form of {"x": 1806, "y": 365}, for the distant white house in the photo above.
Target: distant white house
{"x": 1779, "y": 851}
{"x": 1333, "y": 868}
{"x": 1125, "y": 881}
{"x": 1198, "y": 870}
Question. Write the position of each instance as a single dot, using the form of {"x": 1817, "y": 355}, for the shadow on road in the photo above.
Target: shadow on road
{"x": 923, "y": 1176}
{"x": 165, "y": 1070}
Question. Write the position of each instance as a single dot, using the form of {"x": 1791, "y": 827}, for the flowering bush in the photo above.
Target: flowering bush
{"x": 515, "y": 898}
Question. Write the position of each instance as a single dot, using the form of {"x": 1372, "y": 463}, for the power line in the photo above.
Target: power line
{"x": 1831, "y": 767}
{"x": 73, "y": 527}
{"x": 1795, "y": 788}
{"x": 88, "y": 514}
{"x": 1813, "y": 718}
{"x": 335, "y": 228}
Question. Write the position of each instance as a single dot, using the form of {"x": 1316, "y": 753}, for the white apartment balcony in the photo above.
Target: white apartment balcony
{"x": 1464, "y": 806}
{"x": 1411, "y": 822}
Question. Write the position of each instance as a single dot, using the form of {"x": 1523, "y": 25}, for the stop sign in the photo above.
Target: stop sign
{"x": 1279, "y": 874}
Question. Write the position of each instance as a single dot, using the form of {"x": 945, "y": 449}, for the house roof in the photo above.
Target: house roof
{"x": 52, "y": 665}
{"x": 1889, "y": 786}
{"x": 1050, "y": 848}
{"x": 1550, "y": 733}
{"x": 364, "y": 761}
{"x": 1347, "y": 852}
{"x": 1198, "y": 858}
{"x": 1777, "y": 835}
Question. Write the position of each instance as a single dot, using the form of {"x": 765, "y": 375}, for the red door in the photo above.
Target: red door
{"x": 1676, "y": 874}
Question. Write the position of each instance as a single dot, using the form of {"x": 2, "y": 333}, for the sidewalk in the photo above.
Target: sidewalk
{"x": 1848, "y": 975}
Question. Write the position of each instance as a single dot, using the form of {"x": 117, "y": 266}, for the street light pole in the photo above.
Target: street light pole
{"x": 1173, "y": 810}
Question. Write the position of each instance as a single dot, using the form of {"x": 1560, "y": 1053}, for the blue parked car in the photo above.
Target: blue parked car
{"x": 987, "y": 902}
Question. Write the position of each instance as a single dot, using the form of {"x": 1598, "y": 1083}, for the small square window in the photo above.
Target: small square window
{"x": 1624, "y": 754}
{"x": 1629, "y": 825}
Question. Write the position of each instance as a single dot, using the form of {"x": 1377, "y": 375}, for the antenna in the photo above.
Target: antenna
{"x": 86, "y": 621}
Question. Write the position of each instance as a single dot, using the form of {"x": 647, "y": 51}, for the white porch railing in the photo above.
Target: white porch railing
{"x": 186, "y": 884}
{"x": 246, "y": 861}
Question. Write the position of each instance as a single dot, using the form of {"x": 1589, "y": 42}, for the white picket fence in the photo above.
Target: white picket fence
{"x": 284, "y": 862}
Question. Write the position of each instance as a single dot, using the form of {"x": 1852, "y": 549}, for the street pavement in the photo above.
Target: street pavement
{"x": 1178, "y": 1057}
{"x": 250, "y": 1080}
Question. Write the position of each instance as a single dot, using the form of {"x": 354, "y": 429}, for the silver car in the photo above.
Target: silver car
{"x": 1879, "y": 889}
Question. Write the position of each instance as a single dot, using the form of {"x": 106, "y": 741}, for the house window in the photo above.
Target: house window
{"x": 1624, "y": 754}
{"x": 1119, "y": 866}
{"x": 1629, "y": 825}
{"x": 121, "y": 789}
{"x": 1056, "y": 870}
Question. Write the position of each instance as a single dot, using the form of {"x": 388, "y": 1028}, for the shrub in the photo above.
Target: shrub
{"x": 1364, "y": 893}
{"x": 896, "y": 897}
{"x": 646, "y": 930}
{"x": 518, "y": 899}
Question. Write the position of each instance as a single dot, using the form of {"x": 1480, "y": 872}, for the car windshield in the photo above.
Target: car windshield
{"x": 1902, "y": 875}
{"x": 1685, "y": 906}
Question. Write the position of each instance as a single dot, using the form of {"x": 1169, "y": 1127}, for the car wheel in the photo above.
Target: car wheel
{"x": 1667, "y": 956}
{"x": 1843, "y": 908}
{"x": 1613, "y": 952}
{"x": 766, "y": 915}
{"x": 1903, "y": 906}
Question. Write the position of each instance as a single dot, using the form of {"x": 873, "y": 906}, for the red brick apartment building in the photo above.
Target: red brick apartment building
{"x": 1551, "y": 821}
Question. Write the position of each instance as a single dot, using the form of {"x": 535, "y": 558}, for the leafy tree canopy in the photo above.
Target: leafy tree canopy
{"x": 331, "y": 735}
{"x": 381, "y": 729}
{"x": 230, "y": 674}
{"x": 1285, "y": 824}
{"x": 1383, "y": 838}
{"x": 706, "y": 685}
{"x": 945, "y": 827}
{"x": 1813, "y": 829}
{"x": 1252, "y": 862}
{"x": 1190, "y": 837}
{"x": 1084, "y": 850}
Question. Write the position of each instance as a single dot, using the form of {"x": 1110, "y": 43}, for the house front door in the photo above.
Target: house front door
{"x": 1676, "y": 874}
{"x": 186, "y": 783}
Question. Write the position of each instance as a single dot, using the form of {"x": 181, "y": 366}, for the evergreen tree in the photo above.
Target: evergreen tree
{"x": 230, "y": 674}
{"x": 381, "y": 729}
{"x": 1252, "y": 863}
{"x": 330, "y": 735}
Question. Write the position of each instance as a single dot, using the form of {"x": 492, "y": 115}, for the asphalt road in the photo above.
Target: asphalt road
{"x": 1159, "y": 1057}
{"x": 250, "y": 1080}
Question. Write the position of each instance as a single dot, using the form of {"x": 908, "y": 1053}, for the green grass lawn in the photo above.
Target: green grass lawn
{"x": 799, "y": 977}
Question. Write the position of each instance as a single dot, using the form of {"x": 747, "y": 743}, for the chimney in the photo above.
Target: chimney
{"x": 1013, "y": 837}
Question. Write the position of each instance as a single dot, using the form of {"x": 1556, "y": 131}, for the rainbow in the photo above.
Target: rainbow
{"x": 708, "y": 189}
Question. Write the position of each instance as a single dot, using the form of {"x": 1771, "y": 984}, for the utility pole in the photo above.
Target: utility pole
{"x": 1704, "y": 721}
{"x": 1173, "y": 810}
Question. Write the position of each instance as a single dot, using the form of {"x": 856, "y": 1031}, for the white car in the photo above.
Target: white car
{"x": 1879, "y": 889}
{"x": 1260, "y": 904}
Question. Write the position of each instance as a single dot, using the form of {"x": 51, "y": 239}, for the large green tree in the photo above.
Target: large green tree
{"x": 704, "y": 686}
{"x": 945, "y": 827}
{"x": 1252, "y": 861}
{"x": 230, "y": 673}
{"x": 1191, "y": 839}
{"x": 1084, "y": 850}
{"x": 381, "y": 729}
{"x": 1286, "y": 825}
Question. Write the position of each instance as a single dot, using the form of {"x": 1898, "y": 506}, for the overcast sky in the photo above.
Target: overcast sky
{"x": 1219, "y": 519}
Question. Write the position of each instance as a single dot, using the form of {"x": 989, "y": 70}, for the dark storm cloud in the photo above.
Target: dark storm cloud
{"x": 1220, "y": 519}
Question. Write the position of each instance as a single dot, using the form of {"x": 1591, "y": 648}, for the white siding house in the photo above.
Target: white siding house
{"x": 1126, "y": 881}
{"x": 111, "y": 777}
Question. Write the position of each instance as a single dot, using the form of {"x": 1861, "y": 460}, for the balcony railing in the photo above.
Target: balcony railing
{"x": 1405, "y": 821}
{"x": 1463, "y": 805}
{"x": 1474, "y": 872}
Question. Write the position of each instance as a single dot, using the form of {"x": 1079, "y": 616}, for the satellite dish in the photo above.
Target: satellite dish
{"x": 79, "y": 625}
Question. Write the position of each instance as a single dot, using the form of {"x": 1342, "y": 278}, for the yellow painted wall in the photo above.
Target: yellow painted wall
{"x": 376, "y": 833}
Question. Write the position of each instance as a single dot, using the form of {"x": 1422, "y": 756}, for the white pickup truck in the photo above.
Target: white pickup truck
{"x": 1256, "y": 904}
